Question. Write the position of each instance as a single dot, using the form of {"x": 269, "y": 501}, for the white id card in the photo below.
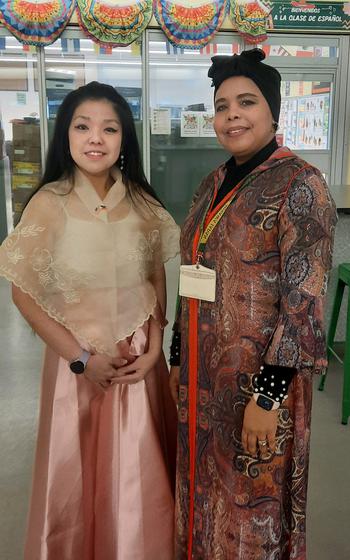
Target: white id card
{"x": 198, "y": 282}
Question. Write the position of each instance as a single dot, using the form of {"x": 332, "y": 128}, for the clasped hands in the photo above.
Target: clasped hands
{"x": 106, "y": 371}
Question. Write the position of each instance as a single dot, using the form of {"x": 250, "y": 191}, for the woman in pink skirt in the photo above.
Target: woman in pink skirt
{"x": 86, "y": 266}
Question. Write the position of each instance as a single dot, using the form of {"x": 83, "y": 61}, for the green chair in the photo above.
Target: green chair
{"x": 343, "y": 280}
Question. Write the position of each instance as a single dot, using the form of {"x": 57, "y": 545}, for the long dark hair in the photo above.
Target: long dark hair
{"x": 59, "y": 162}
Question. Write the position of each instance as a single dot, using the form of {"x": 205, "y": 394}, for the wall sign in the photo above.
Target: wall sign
{"x": 310, "y": 16}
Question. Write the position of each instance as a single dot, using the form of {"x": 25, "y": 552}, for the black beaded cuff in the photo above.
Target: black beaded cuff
{"x": 175, "y": 349}
{"x": 273, "y": 381}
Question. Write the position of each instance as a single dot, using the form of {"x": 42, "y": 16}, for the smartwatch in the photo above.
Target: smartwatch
{"x": 78, "y": 365}
{"x": 265, "y": 402}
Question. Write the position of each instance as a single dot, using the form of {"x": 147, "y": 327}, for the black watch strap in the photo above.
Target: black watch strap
{"x": 78, "y": 365}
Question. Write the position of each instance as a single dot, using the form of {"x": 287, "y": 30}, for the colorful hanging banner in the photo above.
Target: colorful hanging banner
{"x": 309, "y": 16}
{"x": 36, "y": 22}
{"x": 251, "y": 19}
{"x": 190, "y": 24}
{"x": 114, "y": 23}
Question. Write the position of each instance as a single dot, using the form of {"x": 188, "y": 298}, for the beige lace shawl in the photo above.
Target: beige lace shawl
{"x": 89, "y": 262}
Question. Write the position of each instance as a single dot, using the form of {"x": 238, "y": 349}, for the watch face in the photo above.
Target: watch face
{"x": 77, "y": 366}
{"x": 264, "y": 402}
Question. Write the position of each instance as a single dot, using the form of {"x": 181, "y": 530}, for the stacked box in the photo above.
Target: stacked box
{"x": 25, "y": 134}
{"x": 27, "y": 168}
{"x": 26, "y": 164}
{"x": 32, "y": 154}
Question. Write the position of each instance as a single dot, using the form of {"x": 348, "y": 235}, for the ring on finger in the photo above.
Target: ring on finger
{"x": 262, "y": 442}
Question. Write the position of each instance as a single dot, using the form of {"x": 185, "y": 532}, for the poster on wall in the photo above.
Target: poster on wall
{"x": 313, "y": 114}
{"x": 197, "y": 124}
{"x": 288, "y": 122}
{"x": 190, "y": 123}
{"x": 304, "y": 122}
{"x": 160, "y": 121}
{"x": 206, "y": 128}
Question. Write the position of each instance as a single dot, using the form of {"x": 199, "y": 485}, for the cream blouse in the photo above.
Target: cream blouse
{"x": 89, "y": 262}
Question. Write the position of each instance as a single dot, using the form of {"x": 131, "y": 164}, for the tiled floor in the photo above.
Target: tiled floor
{"x": 20, "y": 357}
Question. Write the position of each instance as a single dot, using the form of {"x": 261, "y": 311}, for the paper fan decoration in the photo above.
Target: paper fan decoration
{"x": 251, "y": 19}
{"x": 36, "y": 22}
{"x": 114, "y": 23}
{"x": 190, "y": 24}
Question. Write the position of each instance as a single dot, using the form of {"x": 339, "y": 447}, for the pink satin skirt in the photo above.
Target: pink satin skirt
{"x": 104, "y": 471}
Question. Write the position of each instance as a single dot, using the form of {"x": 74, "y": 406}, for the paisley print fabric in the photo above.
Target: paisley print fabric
{"x": 271, "y": 252}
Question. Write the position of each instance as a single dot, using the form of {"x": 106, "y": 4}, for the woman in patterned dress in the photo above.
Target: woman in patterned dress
{"x": 86, "y": 266}
{"x": 242, "y": 364}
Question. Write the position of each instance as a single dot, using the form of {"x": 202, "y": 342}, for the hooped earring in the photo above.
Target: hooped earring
{"x": 275, "y": 126}
{"x": 121, "y": 165}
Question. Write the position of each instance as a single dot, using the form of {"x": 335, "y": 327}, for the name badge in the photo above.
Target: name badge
{"x": 198, "y": 282}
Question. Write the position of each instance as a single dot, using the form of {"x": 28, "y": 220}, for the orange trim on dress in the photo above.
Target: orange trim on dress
{"x": 192, "y": 398}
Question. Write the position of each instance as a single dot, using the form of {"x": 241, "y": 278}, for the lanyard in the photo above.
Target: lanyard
{"x": 206, "y": 231}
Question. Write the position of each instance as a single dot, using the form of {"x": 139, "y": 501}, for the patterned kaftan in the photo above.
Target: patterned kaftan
{"x": 271, "y": 252}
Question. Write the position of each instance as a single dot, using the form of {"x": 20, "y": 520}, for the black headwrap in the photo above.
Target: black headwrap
{"x": 249, "y": 64}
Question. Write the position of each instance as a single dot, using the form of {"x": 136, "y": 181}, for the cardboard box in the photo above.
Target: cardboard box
{"x": 25, "y": 133}
{"x": 26, "y": 153}
{"x": 26, "y": 168}
{"x": 24, "y": 182}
